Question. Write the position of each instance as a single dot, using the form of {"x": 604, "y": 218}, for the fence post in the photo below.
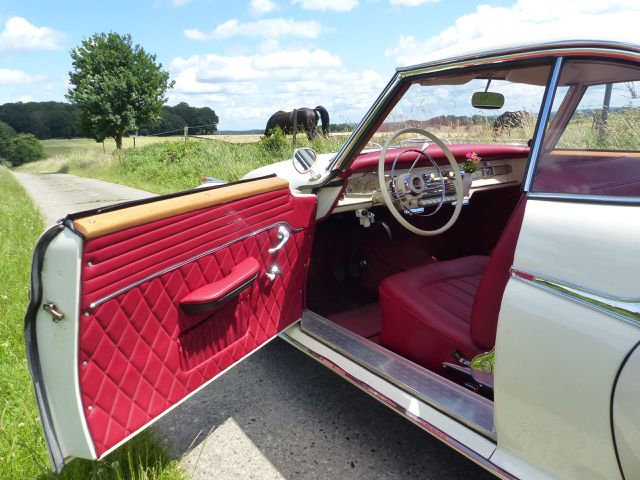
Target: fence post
{"x": 134, "y": 141}
{"x": 186, "y": 133}
{"x": 295, "y": 125}
{"x": 604, "y": 116}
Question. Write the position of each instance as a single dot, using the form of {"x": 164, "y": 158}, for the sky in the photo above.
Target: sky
{"x": 249, "y": 58}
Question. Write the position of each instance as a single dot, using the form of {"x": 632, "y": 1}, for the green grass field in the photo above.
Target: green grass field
{"x": 164, "y": 165}
{"x": 23, "y": 452}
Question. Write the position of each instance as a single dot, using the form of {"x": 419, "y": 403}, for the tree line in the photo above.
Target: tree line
{"x": 47, "y": 120}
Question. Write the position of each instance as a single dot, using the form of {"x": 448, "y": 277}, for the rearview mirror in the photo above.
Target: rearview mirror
{"x": 303, "y": 159}
{"x": 487, "y": 100}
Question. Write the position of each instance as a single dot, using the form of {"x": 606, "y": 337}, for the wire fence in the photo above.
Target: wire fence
{"x": 184, "y": 132}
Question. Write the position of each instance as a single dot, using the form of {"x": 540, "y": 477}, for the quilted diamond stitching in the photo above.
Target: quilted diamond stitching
{"x": 130, "y": 342}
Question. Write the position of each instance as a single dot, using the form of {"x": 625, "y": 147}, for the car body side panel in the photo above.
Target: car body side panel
{"x": 556, "y": 356}
{"x": 626, "y": 415}
{"x": 58, "y": 344}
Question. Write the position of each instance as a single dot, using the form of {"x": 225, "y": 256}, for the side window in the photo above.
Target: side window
{"x": 592, "y": 142}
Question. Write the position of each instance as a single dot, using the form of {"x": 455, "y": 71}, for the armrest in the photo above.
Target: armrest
{"x": 215, "y": 294}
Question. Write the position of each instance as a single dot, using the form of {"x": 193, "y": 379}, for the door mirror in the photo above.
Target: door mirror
{"x": 304, "y": 159}
{"x": 487, "y": 100}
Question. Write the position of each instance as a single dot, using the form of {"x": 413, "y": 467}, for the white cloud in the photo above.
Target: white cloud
{"x": 411, "y": 3}
{"x": 266, "y": 28}
{"x": 179, "y": 3}
{"x": 19, "y": 36}
{"x": 262, "y": 7}
{"x": 10, "y": 76}
{"x": 246, "y": 89}
{"x": 527, "y": 21}
{"x": 332, "y": 5}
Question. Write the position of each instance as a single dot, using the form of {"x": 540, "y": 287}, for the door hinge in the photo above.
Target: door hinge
{"x": 52, "y": 309}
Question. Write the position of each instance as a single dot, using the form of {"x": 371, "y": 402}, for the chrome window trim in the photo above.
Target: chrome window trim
{"x": 543, "y": 119}
{"x": 175, "y": 266}
{"x": 623, "y": 308}
{"x": 552, "y": 49}
{"x": 579, "y": 197}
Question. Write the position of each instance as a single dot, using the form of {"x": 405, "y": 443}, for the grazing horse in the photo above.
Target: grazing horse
{"x": 510, "y": 120}
{"x": 305, "y": 118}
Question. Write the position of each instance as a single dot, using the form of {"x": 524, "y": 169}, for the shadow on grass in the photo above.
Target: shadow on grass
{"x": 139, "y": 459}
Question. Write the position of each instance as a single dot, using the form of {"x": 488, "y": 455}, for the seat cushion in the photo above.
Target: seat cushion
{"x": 426, "y": 311}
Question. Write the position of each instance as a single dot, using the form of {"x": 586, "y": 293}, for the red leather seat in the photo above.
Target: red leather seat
{"x": 431, "y": 311}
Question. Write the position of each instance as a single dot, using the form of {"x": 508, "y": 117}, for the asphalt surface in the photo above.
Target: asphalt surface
{"x": 278, "y": 414}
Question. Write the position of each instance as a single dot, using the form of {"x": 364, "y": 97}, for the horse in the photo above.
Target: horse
{"x": 306, "y": 118}
{"x": 510, "y": 120}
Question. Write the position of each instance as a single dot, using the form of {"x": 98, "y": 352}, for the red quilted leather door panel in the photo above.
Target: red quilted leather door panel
{"x": 140, "y": 352}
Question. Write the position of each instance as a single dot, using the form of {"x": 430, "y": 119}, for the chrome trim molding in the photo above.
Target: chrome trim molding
{"x": 622, "y": 308}
{"x": 400, "y": 410}
{"x": 137, "y": 283}
{"x": 543, "y": 118}
{"x": 457, "y": 402}
{"x": 579, "y": 197}
{"x": 561, "y": 46}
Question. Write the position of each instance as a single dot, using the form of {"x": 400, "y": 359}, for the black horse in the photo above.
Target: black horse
{"x": 510, "y": 120}
{"x": 304, "y": 118}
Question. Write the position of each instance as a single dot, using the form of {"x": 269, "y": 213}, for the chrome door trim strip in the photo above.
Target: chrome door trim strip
{"x": 446, "y": 438}
{"x": 623, "y": 308}
{"x": 455, "y": 401}
{"x": 543, "y": 119}
{"x": 137, "y": 283}
{"x": 579, "y": 197}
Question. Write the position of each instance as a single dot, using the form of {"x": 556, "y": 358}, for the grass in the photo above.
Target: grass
{"x": 167, "y": 165}
{"x": 23, "y": 452}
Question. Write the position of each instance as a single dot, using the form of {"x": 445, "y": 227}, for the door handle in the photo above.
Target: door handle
{"x": 283, "y": 235}
{"x": 216, "y": 294}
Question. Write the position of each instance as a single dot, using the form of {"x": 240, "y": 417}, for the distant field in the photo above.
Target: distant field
{"x": 73, "y": 145}
{"x": 167, "y": 164}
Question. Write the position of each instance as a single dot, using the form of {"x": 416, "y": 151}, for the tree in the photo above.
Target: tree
{"x": 7, "y": 135}
{"x": 24, "y": 148}
{"x": 116, "y": 85}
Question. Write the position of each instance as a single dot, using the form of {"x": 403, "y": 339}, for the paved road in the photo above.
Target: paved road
{"x": 58, "y": 194}
{"x": 279, "y": 414}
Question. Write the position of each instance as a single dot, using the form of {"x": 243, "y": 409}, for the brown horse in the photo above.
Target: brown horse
{"x": 302, "y": 118}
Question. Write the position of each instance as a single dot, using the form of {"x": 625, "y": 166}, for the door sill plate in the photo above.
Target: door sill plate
{"x": 472, "y": 410}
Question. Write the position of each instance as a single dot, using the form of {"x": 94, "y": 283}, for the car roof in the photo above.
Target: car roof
{"x": 479, "y": 49}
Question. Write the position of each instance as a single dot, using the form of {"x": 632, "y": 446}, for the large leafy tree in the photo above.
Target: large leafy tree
{"x": 116, "y": 85}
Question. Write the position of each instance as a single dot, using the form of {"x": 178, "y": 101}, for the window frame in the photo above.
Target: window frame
{"x": 541, "y": 144}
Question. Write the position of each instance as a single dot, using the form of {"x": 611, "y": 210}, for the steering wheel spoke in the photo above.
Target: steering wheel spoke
{"x": 413, "y": 185}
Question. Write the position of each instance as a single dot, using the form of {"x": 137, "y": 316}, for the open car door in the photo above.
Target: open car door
{"x": 137, "y": 306}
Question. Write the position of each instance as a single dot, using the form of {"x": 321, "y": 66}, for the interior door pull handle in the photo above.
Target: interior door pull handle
{"x": 283, "y": 235}
{"x": 216, "y": 294}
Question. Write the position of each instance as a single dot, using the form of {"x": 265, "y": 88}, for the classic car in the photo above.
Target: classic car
{"x": 469, "y": 257}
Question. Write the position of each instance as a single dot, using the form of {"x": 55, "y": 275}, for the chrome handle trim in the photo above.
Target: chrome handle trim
{"x": 283, "y": 235}
{"x": 622, "y": 308}
{"x": 137, "y": 283}
{"x": 273, "y": 272}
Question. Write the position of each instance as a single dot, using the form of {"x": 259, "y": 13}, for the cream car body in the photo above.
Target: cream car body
{"x": 566, "y": 359}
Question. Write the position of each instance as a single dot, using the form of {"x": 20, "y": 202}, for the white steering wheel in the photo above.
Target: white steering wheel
{"x": 387, "y": 195}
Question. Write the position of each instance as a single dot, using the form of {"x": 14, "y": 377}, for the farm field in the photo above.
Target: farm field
{"x": 167, "y": 164}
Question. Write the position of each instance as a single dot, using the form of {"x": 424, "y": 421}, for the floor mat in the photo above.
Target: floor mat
{"x": 365, "y": 321}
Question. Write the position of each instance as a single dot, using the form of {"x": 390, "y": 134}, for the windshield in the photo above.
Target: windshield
{"x": 444, "y": 107}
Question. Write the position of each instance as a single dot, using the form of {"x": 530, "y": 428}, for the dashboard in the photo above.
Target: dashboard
{"x": 429, "y": 185}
